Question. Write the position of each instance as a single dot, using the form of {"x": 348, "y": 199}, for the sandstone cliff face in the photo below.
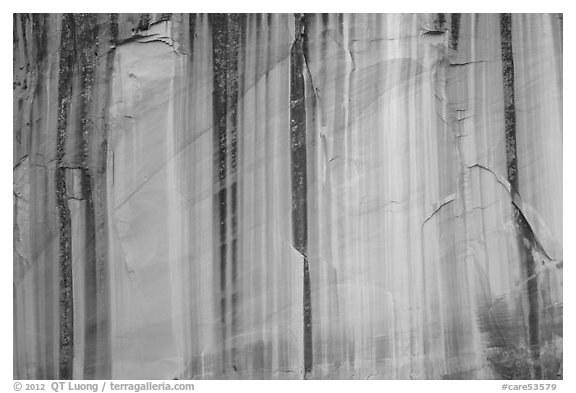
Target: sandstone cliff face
{"x": 287, "y": 196}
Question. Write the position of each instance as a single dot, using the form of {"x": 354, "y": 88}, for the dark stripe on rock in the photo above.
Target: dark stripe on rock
{"x": 113, "y": 29}
{"x": 87, "y": 33}
{"x": 192, "y": 32}
{"x": 299, "y": 178}
{"x": 219, "y": 26}
{"x": 525, "y": 237}
{"x": 67, "y": 60}
{"x": 233, "y": 43}
{"x": 454, "y": 30}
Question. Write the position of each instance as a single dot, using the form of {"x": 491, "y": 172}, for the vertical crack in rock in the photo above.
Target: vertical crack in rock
{"x": 299, "y": 178}
{"x": 454, "y": 31}
{"x": 226, "y": 34}
{"x": 67, "y": 59}
{"x": 525, "y": 237}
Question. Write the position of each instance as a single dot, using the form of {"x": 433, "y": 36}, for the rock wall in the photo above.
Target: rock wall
{"x": 287, "y": 196}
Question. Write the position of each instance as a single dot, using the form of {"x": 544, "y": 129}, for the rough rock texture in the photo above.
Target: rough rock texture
{"x": 288, "y": 196}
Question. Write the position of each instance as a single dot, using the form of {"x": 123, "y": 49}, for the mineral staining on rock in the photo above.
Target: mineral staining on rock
{"x": 288, "y": 196}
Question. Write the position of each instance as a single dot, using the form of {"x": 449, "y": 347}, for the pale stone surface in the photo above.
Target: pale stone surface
{"x": 183, "y": 210}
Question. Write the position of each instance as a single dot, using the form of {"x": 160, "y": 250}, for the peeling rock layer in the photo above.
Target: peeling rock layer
{"x": 287, "y": 196}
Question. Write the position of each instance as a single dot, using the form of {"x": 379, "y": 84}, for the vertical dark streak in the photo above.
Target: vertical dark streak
{"x": 192, "y": 32}
{"x": 299, "y": 178}
{"x": 91, "y": 341}
{"x": 193, "y": 360}
{"x": 15, "y": 55}
{"x": 23, "y": 19}
{"x": 16, "y": 370}
{"x": 561, "y": 18}
{"x": 67, "y": 59}
{"x": 525, "y": 237}
{"x": 233, "y": 43}
{"x": 100, "y": 194}
{"x": 36, "y": 64}
{"x": 15, "y": 34}
{"x": 226, "y": 37}
{"x": 87, "y": 35}
{"x": 509, "y": 105}
{"x": 219, "y": 26}
{"x": 454, "y": 31}
{"x": 113, "y": 28}
{"x": 40, "y": 37}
